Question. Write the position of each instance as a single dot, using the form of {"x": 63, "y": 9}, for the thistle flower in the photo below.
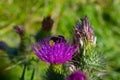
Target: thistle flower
{"x": 54, "y": 50}
{"x": 84, "y": 31}
{"x": 76, "y": 75}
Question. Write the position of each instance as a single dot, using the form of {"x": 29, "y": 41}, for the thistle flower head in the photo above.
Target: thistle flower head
{"x": 54, "y": 50}
{"x": 84, "y": 30}
{"x": 87, "y": 29}
{"x": 76, "y": 75}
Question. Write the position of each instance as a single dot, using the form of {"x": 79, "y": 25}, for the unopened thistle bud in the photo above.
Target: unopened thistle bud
{"x": 47, "y": 23}
{"x": 19, "y": 29}
{"x": 46, "y": 27}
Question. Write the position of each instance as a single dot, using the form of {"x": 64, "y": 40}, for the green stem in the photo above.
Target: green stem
{"x": 23, "y": 73}
{"x": 33, "y": 72}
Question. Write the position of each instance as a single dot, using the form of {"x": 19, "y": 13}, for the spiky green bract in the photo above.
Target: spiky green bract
{"x": 55, "y": 72}
{"x": 92, "y": 61}
{"x": 89, "y": 60}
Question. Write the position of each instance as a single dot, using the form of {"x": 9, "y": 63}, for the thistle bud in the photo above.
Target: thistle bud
{"x": 46, "y": 27}
{"x": 47, "y": 23}
{"x": 19, "y": 29}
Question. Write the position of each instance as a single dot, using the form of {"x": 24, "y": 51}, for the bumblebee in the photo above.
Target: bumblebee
{"x": 57, "y": 39}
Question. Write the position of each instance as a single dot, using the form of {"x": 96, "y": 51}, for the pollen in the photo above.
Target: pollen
{"x": 51, "y": 43}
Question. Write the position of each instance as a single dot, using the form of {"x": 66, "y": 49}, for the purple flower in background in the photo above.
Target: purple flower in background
{"x": 54, "y": 50}
{"x": 19, "y": 29}
{"x": 47, "y": 23}
{"x": 76, "y": 75}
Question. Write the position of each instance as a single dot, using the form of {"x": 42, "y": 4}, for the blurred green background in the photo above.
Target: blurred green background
{"x": 104, "y": 16}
